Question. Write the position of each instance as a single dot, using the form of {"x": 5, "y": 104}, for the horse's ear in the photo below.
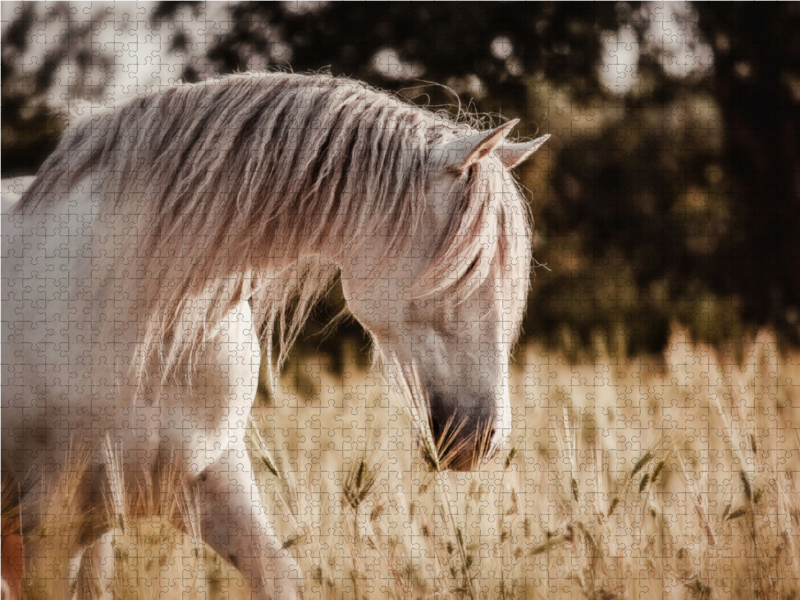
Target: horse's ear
{"x": 460, "y": 153}
{"x": 513, "y": 154}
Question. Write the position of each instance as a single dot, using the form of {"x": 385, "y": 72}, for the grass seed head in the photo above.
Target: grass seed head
{"x": 377, "y": 511}
{"x": 429, "y": 454}
{"x": 511, "y": 455}
{"x": 737, "y": 513}
{"x": 359, "y": 483}
{"x": 267, "y": 462}
{"x": 613, "y": 505}
{"x": 642, "y": 463}
{"x": 748, "y": 492}
{"x": 659, "y": 467}
{"x": 292, "y": 541}
{"x": 546, "y": 545}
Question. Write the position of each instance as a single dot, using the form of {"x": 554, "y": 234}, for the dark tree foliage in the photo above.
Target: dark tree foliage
{"x": 756, "y": 82}
{"x": 29, "y": 130}
{"x": 561, "y": 41}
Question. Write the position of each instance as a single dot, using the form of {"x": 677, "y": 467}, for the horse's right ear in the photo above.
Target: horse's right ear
{"x": 459, "y": 154}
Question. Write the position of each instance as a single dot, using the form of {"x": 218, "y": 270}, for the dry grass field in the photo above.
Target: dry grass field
{"x": 624, "y": 479}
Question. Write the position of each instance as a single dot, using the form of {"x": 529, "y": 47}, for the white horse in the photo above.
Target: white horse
{"x": 167, "y": 240}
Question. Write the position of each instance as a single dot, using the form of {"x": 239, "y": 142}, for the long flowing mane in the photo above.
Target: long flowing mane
{"x": 210, "y": 193}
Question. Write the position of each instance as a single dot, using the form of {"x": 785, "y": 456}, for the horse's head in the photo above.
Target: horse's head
{"x": 445, "y": 310}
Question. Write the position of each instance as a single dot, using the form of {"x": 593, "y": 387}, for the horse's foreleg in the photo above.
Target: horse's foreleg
{"x": 234, "y": 524}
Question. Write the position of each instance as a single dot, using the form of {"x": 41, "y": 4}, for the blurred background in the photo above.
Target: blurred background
{"x": 668, "y": 195}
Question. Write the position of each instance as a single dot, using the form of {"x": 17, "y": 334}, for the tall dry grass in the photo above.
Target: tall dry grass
{"x": 671, "y": 477}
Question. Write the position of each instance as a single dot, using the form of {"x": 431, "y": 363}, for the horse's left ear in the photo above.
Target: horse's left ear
{"x": 513, "y": 154}
{"x": 461, "y": 153}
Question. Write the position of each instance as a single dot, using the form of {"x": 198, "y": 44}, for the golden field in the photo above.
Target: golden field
{"x": 667, "y": 477}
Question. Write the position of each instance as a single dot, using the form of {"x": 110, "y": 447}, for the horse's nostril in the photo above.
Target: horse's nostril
{"x": 437, "y": 429}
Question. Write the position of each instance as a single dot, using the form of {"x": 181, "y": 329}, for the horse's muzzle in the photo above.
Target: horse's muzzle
{"x": 467, "y": 443}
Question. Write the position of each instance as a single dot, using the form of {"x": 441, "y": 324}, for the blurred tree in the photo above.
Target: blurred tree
{"x": 390, "y": 44}
{"x": 756, "y": 82}
{"x": 30, "y": 129}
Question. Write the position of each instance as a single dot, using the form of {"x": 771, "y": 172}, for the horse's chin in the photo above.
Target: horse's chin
{"x": 464, "y": 466}
{"x": 468, "y": 462}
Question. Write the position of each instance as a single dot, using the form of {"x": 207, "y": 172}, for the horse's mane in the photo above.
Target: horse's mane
{"x": 246, "y": 173}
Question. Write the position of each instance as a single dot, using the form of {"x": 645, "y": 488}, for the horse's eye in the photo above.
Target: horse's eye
{"x": 469, "y": 173}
